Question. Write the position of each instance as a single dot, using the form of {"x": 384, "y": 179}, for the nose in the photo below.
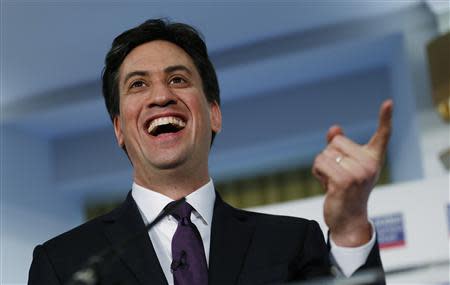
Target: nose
{"x": 162, "y": 96}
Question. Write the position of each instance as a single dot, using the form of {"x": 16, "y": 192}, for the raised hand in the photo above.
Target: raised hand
{"x": 348, "y": 172}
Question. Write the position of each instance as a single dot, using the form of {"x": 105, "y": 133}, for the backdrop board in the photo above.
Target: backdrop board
{"x": 413, "y": 227}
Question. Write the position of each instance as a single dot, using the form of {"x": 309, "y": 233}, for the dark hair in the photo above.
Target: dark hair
{"x": 182, "y": 35}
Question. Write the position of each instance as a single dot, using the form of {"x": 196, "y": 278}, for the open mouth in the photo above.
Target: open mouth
{"x": 165, "y": 125}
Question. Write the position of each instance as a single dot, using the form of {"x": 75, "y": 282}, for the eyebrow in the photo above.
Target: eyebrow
{"x": 134, "y": 73}
{"x": 168, "y": 69}
{"x": 173, "y": 68}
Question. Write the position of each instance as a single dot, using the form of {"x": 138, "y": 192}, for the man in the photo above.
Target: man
{"x": 162, "y": 94}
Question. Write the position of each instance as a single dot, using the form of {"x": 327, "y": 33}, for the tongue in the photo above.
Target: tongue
{"x": 164, "y": 129}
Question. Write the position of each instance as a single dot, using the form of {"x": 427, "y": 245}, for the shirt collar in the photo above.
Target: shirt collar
{"x": 151, "y": 203}
{"x": 202, "y": 200}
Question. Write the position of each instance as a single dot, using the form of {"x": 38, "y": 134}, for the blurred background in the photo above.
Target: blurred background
{"x": 288, "y": 70}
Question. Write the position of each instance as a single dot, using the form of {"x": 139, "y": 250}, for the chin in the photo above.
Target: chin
{"x": 169, "y": 165}
{"x": 166, "y": 163}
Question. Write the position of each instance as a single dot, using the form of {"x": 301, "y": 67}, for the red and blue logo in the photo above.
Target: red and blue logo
{"x": 390, "y": 230}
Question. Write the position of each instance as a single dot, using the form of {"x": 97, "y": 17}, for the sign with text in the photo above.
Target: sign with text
{"x": 390, "y": 230}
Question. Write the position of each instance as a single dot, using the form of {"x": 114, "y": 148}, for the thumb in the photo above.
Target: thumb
{"x": 334, "y": 131}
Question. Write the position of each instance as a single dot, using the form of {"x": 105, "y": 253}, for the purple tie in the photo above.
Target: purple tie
{"x": 188, "y": 255}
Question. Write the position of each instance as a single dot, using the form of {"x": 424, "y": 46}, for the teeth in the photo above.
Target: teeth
{"x": 165, "y": 121}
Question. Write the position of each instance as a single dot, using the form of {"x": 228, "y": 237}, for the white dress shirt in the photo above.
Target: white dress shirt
{"x": 151, "y": 203}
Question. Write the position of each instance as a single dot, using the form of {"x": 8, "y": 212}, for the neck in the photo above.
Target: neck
{"x": 172, "y": 183}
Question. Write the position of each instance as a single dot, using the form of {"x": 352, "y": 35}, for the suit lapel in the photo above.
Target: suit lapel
{"x": 139, "y": 254}
{"x": 231, "y": 234}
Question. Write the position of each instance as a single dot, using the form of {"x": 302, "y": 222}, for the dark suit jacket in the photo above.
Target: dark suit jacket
{"x": 246, "y": 248}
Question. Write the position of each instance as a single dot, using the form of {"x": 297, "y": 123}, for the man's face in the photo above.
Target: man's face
{"x": 165, "y": 121}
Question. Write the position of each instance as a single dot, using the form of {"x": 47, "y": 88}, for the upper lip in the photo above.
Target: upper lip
{"x": 165, "y": 114}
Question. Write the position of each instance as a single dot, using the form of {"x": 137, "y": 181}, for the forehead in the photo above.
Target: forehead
{"x": 155, "y": 56}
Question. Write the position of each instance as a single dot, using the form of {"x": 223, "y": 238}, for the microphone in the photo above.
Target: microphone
{"x": 88, "y": 274}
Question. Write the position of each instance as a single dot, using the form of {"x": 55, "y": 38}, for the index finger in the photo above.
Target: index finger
{"x": 380, "y": 138}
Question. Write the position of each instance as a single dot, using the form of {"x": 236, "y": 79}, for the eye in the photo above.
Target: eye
{"x": 137, "y": 84}
{"x": 178, "y": 81}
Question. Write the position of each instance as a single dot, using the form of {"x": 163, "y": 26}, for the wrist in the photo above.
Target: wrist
{"x": 356, "y": 234}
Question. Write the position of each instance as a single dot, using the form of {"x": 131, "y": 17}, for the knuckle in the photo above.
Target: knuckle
{"x": 335, "y": 141}
{"x": 372, "y": 170}
{"x": 333, "y": 149}
{"x": 330, "y": 150}
{"x": 316, "y": 174}
{"x": 360, "y": 180}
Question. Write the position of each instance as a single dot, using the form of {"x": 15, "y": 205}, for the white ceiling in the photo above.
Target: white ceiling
{"x": 327, "y": 60}
{"x": 52, "y": 52}
{"x": 51, "y": 45}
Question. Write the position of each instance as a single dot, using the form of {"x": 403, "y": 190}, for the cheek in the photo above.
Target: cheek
{"x": 129, "y": 110}
{"x": 205, "y": 117}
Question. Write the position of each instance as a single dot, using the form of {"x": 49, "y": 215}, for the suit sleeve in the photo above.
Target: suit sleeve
{"x": 373, "y": 262}
{"x": 313, "y": 261}
{"x": 41, "y": 270}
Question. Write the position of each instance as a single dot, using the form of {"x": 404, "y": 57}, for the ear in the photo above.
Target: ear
{"x": 118, "y": 131}
{"x": 215, "y": 116}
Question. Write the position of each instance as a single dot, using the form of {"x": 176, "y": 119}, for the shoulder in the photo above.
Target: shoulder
{"x": 276, "y": 219}
{"x": 67, "y": 252}
{"x": 90, "y": 232}
{"x": 74, "y": 247}
{"x": 281, "y": 239}
{"x": 270, "y": 219}
{"x": 278, "y": 225}
{"x": 71, "y": 249}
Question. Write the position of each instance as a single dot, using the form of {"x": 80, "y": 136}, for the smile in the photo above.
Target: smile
{"x": 164, "y": 125}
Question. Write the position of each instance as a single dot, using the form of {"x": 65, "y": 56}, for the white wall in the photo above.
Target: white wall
{"x": 423, "y": 205}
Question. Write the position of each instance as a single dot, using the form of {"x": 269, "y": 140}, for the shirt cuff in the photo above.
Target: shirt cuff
{"x": 349, "y": 259}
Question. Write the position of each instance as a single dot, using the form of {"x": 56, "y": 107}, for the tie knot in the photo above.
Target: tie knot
{"x": 183, "y": 212}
